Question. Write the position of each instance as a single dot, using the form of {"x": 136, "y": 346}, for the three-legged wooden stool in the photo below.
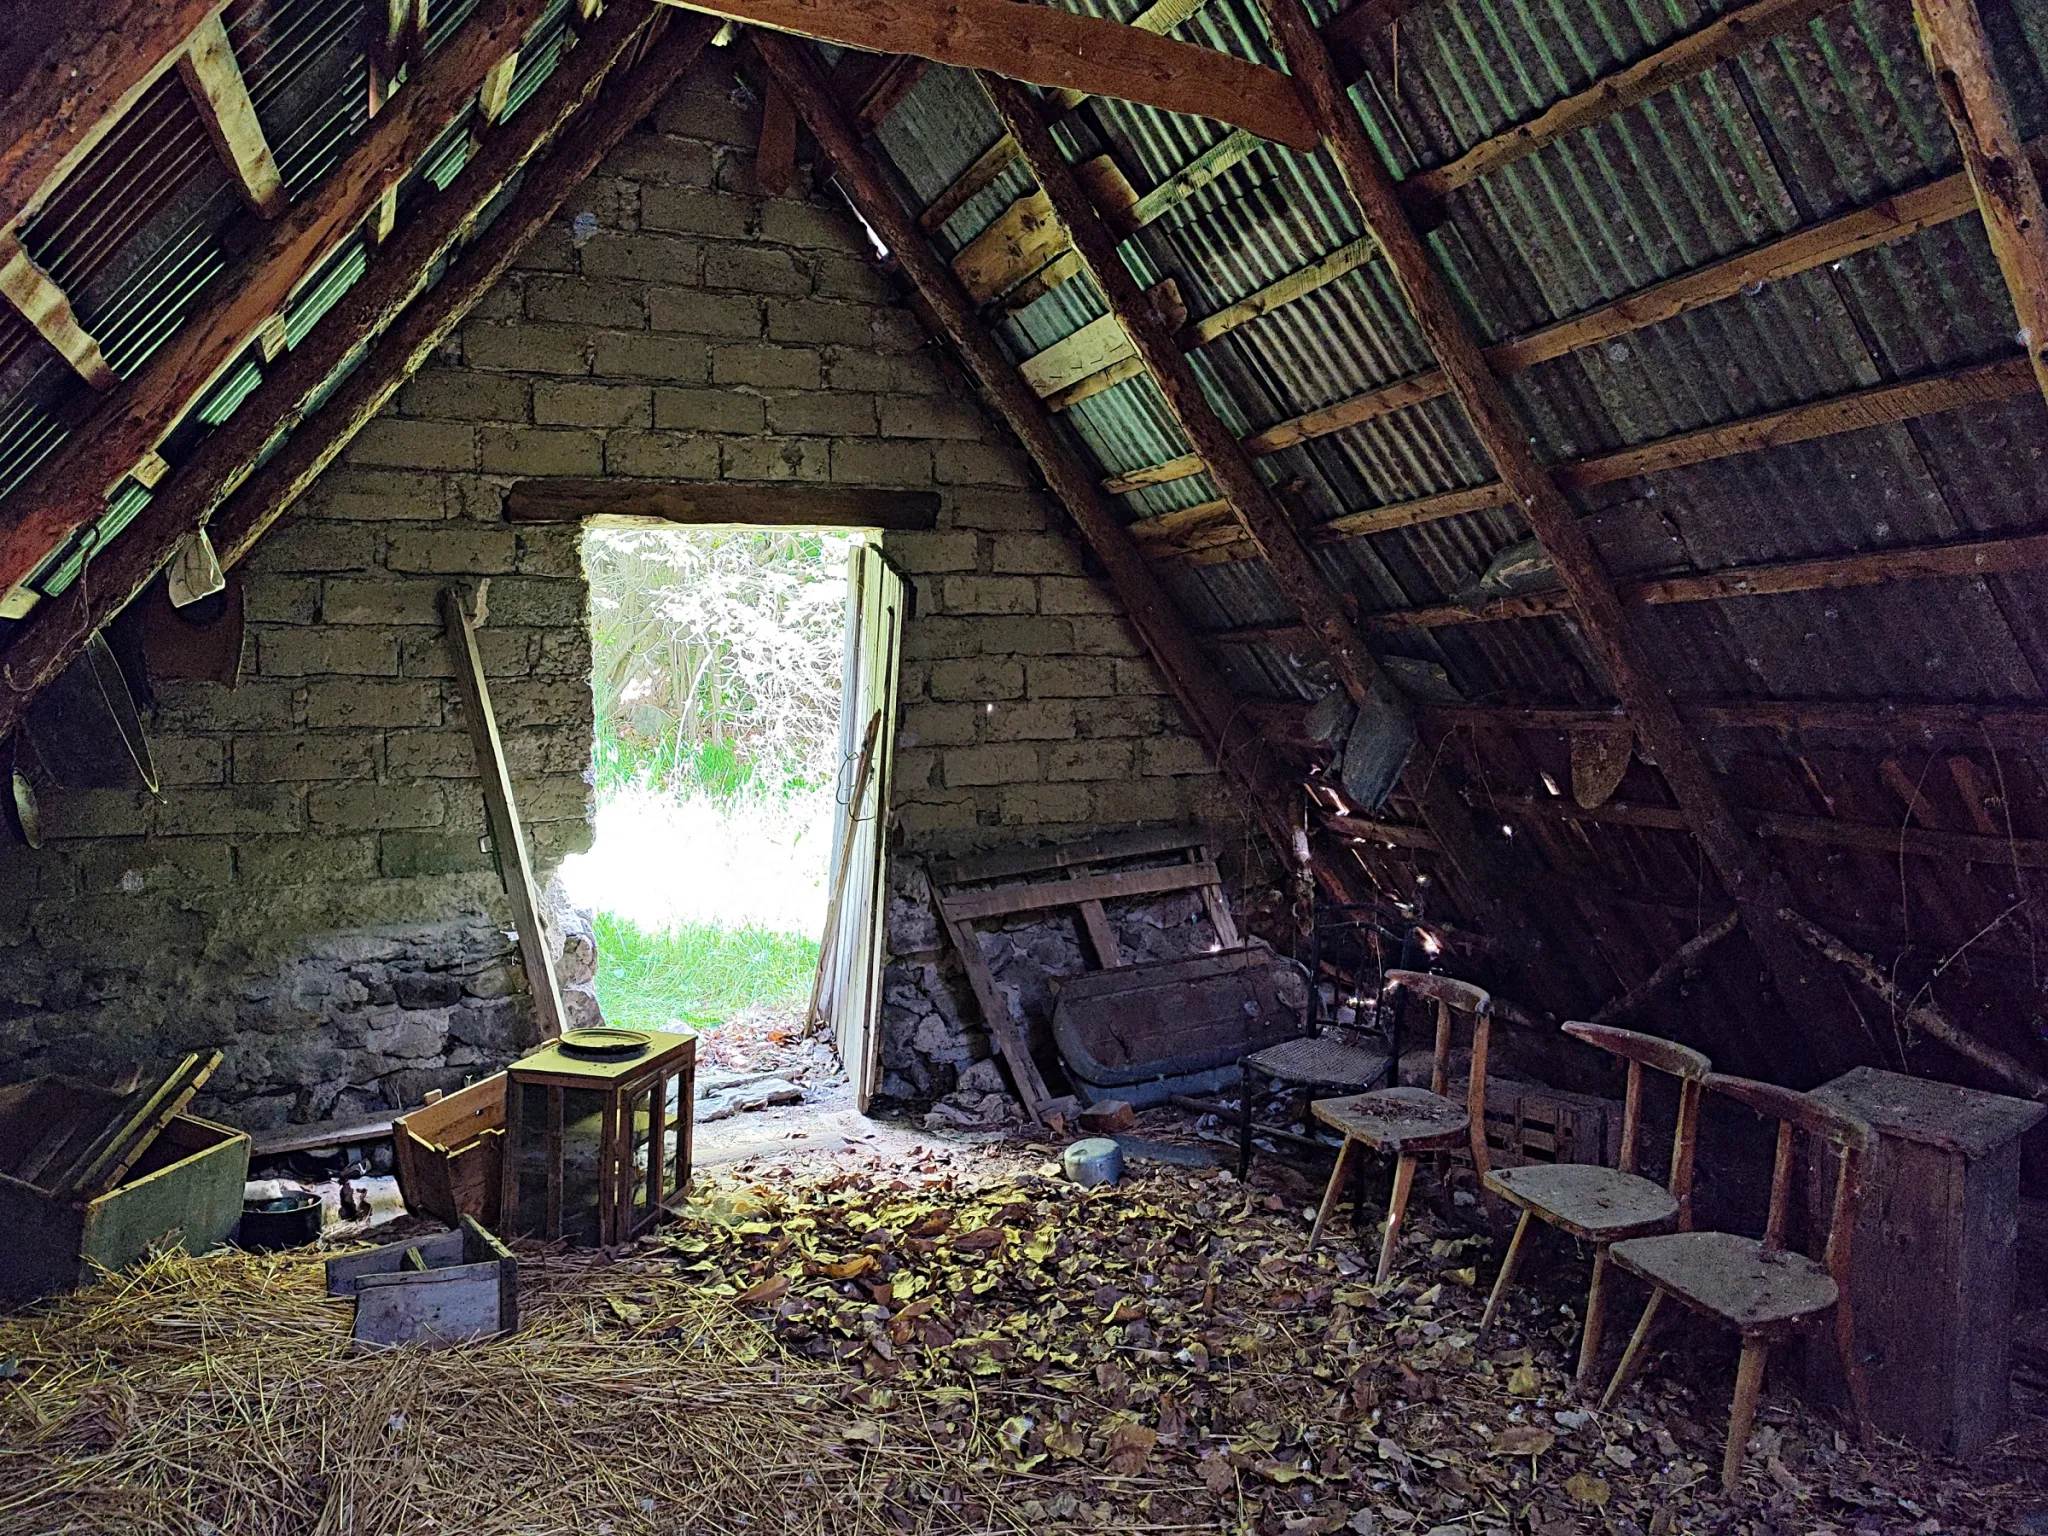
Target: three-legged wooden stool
{"x": 1406, "y": 1122}
{"x": 1599, "y": 1205}
{"x": 1760, "y": 1287}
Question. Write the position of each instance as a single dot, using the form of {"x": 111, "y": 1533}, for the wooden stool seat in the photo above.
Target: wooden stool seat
{"x": 1728, "y": 1276}
{"x": 1598, "y": 1204}
{"x": 1397, "y": 1120}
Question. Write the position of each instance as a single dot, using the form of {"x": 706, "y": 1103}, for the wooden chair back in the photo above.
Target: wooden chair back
{"x": 1452, "y": 997}
{"x": 1667, "y": 1056}
{"x": 1798, "y": 1113}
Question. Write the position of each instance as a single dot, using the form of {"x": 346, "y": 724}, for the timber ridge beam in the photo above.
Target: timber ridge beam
{"x": 1205, "y": 699}
{"x": 387, "y": 311}
{"x": 715, "y": 503}
{"x": 70, "y": 488}
{"x": 1744, "y": 870}
{"x": 1488, "y": 884}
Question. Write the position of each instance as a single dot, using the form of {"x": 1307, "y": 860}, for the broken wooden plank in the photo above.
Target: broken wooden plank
{"x": 1682, "y": 959}
{"x": 47, "y": 308}
{"x": 217, "y": 89}
{"x": 515, "y": 868}
{"x": 1049, "y": 47}
{"x": 717, "y": 503}
{"x": 1117, "y": 885}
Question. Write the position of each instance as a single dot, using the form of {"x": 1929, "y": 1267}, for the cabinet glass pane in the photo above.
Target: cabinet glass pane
{"x": 642, "y": 1132}
{"x": 531, "y": 1157}
{"x": 671, "y": 1134}
{"x": 582, "y": 1159}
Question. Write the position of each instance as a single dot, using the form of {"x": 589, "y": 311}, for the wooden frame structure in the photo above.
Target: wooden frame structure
{"x": 964, "y": 897}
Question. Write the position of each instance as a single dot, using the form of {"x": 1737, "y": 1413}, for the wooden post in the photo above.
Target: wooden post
{"x": 1757, "y": 888}
{"x": 514, "y": 867}
{"x": 1203, "y": 695}
{"x": 1268, "y": 523}
{"x": 2000, "y": 172}
{"x": 386, "y": 311}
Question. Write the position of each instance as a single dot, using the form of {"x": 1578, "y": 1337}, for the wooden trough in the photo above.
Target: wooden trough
{"x": 449, "y": 1154}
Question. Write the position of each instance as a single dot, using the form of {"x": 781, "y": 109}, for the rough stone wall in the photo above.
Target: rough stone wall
{"x": 308, "y": 891}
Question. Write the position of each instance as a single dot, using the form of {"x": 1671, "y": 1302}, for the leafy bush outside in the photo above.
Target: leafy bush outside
{"x": 716, "y": 673}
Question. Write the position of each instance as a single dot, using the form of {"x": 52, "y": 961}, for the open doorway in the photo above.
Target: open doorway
{"x": 743, "y": 682}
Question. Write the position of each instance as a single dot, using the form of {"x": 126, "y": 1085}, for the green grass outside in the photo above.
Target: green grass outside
{"x": 696, "y": 972}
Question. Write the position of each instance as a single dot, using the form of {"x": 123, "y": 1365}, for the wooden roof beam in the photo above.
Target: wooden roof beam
{"x": 215, "y": 84}
{"x": 2000, "y": 171}
{"x": 1205, "y": 698}
{"x": 1268, "y": 523}
{"x": 1051, "y": 47}
{"x": 91, "y": 73}
{"x": 70, "y": 487}
{"x": 1755, "y": 886}
{"x": 386, "y": 311}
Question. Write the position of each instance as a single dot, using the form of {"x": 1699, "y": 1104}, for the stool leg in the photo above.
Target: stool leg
{"x": 1596, "y": 1320}
{"x": 1508, "y": 1266}
{"x": 1852, "y": 1372}
{"x": 1404, "y": 1180}
{"x": 1335, "y": 1192}
{"x": 1244, "y": 1115}
{"x": 1749, "y": 1383}
{"x": 1632, "y": 1357}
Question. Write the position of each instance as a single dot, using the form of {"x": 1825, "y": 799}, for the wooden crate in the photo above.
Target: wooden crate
{"x": 449, "y": 1154}
{"x": 185, "y": 1189}
{"x": 467, "y": 1289}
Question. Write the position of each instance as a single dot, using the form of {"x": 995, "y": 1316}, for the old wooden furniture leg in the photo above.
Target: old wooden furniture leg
{"x": 1508, "y": 1266}
{"x": 1749, "y": 1383}
{"x": 1244, "y": 1120}
{"x": 1638, "y": 1348}
{"x": 1404, "y": 1181}
{"x": 1350, "y": 1152}
{"x": 1596, "y": 1319}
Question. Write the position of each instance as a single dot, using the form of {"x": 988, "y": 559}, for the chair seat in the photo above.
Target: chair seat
{"x": 1586, "y": 1200}
{"x": 1726, "y": 1275}
{"x": 1397, "y": 1119}
{"x": 1316, "y": 1061}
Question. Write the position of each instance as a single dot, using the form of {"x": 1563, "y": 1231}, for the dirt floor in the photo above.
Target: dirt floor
{"x": 866, "y": 1327}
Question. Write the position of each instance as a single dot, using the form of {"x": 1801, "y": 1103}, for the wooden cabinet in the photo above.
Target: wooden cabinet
{"x": 1932, "y": 1267}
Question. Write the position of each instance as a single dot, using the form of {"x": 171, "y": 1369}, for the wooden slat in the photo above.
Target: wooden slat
{"x": 95, "y": 67}
{"x": 386, "y": 312}
{"x": 1739, "y": 861}
{"x": 1205, "y": 699}
{"x": 127, "y": 1148}
{"x": 217, "y": 89}
{"x": 896, "y": 81}
{"x": 1117, "y": 885}
{"x": 1719, "y": 40}
{"x": 37, "y": 298}
{"x": 2002, "y": 177}
{"x": 992, "y": 162}
{"x": 1020, "y": 240}
{"x": 1376, "y": 831}
{"x": 1101, "y": 341}
{"x": 775, "y": 154}
{"x": 496, "y": 91}
{"x": 515, "y": 867}
{"x": 70, "y": 487}
{"x": 1049, "y": 47}
{"x": 1094, "y": 850}
{"x": 720, "y": 503}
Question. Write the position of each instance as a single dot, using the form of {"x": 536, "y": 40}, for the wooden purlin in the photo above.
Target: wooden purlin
{"x": 386, "y": 311}
{"x": 70, "y": 487}
{"x": 1265, "y": 520}
{"x": 214, "y": 81}
{"x": 1205, "y": 698}
{"x": 1751, "y": 881}
{"x": 2001, "y": 174}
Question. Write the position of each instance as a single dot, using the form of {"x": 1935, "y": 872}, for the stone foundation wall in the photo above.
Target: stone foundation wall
{"x": 308, "y": 892}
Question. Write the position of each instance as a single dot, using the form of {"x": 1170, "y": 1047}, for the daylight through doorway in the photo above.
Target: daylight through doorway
{"x": 718, "y": 659}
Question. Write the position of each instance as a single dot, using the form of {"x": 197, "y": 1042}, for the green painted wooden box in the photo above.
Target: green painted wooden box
{"x": 186, "y": 1189}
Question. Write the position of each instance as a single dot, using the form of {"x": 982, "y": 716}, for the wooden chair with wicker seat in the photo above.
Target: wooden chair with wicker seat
{"x": 1602, "y": 1205}
{"x": 1406, "y": 1122}
{"x": 1758, "y": 1286}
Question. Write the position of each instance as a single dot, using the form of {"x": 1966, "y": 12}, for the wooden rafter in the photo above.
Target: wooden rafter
{"x": 70, "y": 487}
{"x": 1205, "y": 699}
{"x": 1745, "y": 872}
{"x": 217, "y": 89}
{"x": 37, "y": 298}
{"x": 1051, "y": 47}
{"x": 1264, "y": 519}
{"x": 386, "y": 311}
{"x": 93, "y": 70}
{"x": 2001, "y": 173}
